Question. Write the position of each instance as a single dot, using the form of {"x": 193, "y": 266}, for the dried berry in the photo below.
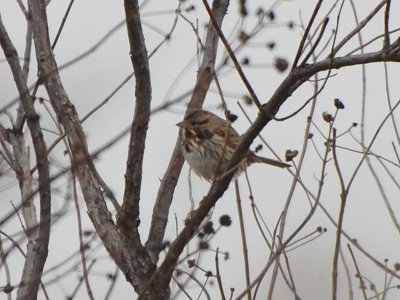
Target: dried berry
{"x": 204, "y": 245}
{"x": 191, "y": 263}
{"x": 225, "y": 220}
{"x": 281, "y": 64}
{"x": 208, "y": 228}
{"x": 290, "y": 154}
{"x": 327, "y": 117}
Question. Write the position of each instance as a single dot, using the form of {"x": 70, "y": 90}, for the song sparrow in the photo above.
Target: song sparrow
{"x": 208, "y": 143}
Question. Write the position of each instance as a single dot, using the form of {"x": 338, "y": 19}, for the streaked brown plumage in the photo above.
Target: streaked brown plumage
{"x": 208, "y": 143}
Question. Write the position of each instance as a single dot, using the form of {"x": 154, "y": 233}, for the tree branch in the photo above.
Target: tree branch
{"x": 128, "y": 218}
{"x": 127, "y": 253}
{"x": 37, "y": 250}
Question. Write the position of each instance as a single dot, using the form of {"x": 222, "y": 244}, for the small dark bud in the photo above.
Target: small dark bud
{"x": 243, "y": 9}
{"x": 338, "y": 104}
{"x": 260, "y": 12}
{"x": 281, "y": 64}
{"x": 355, "y": 124}
{"x": 290, "y": 25}
{"x": 271, "y": 15}
{"x": 208, "y": 228}
{"x": 327, "y": 117}
{"x": 225, "y": 220}
{"x": 8, "y": 289}
{"x": 200, "y": 235}
{"x": 310, "y": 135}
{"x": 178, "y": 273}
{"x": 190, "y": 8}
{"x": 209, "y": 274}
{"x": 258, "y": 148}
{"x": 319, "y": 229}
{"x": 191, "y": 263}
{"x": 231, "y": 117}
{"x": 110, "y": 276}
{"x": 271, "y": 45}
{"x": 397, "y": 267}
{"x": 290, "y": 154}
{"x": 226, "y": 256}
{"x": 247, "y": 99}
{"x": 245, "y": 61}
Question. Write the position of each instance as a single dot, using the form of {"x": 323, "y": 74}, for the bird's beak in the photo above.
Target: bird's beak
{"x": 181, "y": 124}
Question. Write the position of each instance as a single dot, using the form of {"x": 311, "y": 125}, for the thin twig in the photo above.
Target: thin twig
{"x": 243, "y": 236}
{"x": 218, "y": 275}
{"x": 348, "y": 276}
{"x": 113, "y": 279}
{"x": 360, "y": 278}
{"x": 53, "y": 45}
{"x": 343, "y": 198}
{"x": 386, "y": 39}
{"x": 314, "y": 46}
{"x": 80, "y": 280}
{"x": 81, "y": 243}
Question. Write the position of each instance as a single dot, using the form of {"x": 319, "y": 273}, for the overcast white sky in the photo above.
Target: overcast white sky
{"x": 93, "y": 78}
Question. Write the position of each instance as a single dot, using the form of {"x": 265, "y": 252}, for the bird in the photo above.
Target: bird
{"x": 208, "y": 142}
